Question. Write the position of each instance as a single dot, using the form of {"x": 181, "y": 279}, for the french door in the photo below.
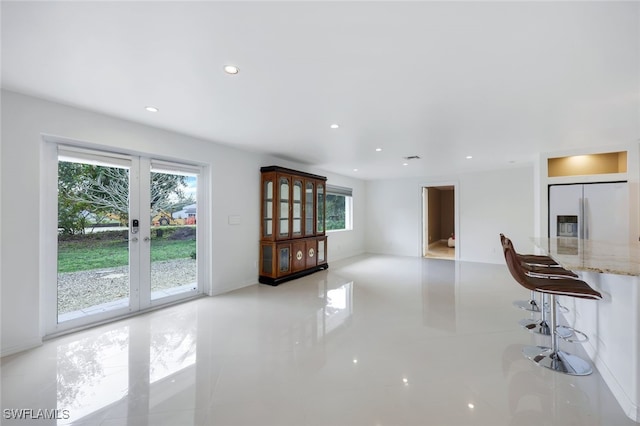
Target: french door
{"x": 127, "y": 236}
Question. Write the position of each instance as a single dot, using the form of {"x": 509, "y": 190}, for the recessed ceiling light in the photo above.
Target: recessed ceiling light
{"x": 469, "y": 157}
{"x": 151, "y": 109}
{"x": 355, "y": 170}
{"x": 405, "y": 164}
{"x": 231, "y": 69}
{"x": 334, "y": 126}
{"x": 378, "y": 149}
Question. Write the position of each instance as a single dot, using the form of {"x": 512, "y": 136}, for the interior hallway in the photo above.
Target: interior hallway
{"x": 440, "y": 250}
{"x": 373, "y": 340}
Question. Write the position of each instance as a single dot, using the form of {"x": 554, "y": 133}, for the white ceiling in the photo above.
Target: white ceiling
{"x": 501, "y": 81}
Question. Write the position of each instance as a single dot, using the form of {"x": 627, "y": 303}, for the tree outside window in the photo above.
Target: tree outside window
{"x": 339, "y": 202}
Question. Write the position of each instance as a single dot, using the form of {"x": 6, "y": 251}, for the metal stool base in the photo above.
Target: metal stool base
{"x": 542, "y": 327}
{"x": 571, "y": 335}
{"x": 561, "y": 308}
{"x": 527, "y": 305}
{"x": 560, "y": 361}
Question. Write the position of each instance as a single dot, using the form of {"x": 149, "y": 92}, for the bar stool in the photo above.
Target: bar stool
{"x": 552, "y": 358}
{"x": 540, "y": 270}
{"x": 542, "y": 326}
{"x": 537, "y": 264}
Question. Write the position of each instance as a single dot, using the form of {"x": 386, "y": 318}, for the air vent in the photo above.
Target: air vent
{"x": 412, "y": 157}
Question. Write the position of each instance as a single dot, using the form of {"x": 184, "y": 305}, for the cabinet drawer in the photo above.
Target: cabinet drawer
{"x": 298, "y": 261}
{"x": 311, "y": 253}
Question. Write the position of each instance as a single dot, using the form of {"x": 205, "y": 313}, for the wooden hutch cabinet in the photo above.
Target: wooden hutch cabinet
{"x": 292, "y": 224}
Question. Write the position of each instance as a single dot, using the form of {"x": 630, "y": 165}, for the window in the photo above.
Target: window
{"x": 339, "y": 208}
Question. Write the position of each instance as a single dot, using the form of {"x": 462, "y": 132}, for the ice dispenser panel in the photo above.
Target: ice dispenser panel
{"x": 567, "y": 226}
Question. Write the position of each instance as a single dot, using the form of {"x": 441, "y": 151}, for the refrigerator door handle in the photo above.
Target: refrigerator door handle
{"x": 585, "y": 209}
{"x": 581, "y": 218}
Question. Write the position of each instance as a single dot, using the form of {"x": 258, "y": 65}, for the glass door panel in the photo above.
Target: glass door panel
{"x": 283, "y": 205}
{"x": 309, "y": 198}
{"x": 173, "y": 236}
{"x": 267, "y": 259}
{"x": 125, "y": 235}
{"x": 267, "y": 226}
{"x": 283, "y": 259}
{"x": 320, "y": 206}
{"x": 296, "y": 214}
{"x": 93, "y": 237}
{"x": 321, "y": 251}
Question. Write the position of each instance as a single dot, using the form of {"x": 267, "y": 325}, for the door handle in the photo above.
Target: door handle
{"x": 585, "y": 219}
{"x": 581, "y": 228}
{"x": 134, "y": 239}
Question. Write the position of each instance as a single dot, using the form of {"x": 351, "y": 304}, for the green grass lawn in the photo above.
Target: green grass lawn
{"x": 81, "y": 255}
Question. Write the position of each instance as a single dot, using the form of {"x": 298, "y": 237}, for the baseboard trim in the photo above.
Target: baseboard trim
{"x": 24, "y": 346}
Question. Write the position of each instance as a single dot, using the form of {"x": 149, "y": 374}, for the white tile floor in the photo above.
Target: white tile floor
{"x": 374, "y": 340}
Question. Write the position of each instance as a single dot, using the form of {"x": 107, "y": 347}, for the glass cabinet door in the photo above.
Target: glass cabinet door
{"x": 283, "y": 207}
{"x": 320, "y": 207}
{"x": 283, "y": 259}
{"x": 267, "y": 209}
{"x": 321, "y": 251}
{"x": 296, "y": 213}
{"x": 309, "y": 198}
{"x": 267, "y": 259}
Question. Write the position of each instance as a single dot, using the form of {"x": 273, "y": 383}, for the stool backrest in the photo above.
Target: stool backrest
{"x": 514, "y": 265}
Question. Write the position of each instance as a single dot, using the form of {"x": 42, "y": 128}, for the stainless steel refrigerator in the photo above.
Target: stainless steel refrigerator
{"x": 592, "y": 211}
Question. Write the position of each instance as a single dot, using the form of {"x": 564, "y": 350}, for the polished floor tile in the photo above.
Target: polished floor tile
{"x": 373, "y": 340}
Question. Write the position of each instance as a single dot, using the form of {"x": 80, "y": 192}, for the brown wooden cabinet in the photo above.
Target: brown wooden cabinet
{"x": 292, "y": 226}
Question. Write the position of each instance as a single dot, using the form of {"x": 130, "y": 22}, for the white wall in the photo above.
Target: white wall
{"x": 235, "y": 185}
{"x": 394, "y": 220}
{"x": 489, "y": 203}
{"x": 495, "y": 202}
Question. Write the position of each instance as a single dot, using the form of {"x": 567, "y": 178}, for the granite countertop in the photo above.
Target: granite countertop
{"x": 606, "y": 257}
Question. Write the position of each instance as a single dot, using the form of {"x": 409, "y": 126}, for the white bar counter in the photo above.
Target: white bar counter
{"x": 613, "y": 323}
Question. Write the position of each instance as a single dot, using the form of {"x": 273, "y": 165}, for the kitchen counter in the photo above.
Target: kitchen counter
{"x": 595, "y": 256}
{"x": 613, "y": 323}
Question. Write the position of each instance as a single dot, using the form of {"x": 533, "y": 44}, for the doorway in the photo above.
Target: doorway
{"x": 438, "y": 222}
{"x": 127, "y": 236}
